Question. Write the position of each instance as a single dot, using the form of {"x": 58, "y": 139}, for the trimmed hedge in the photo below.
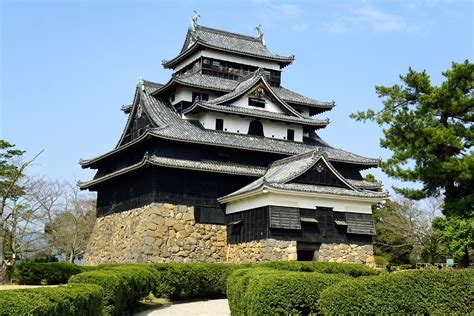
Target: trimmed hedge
{"x": 351, "y": 269}
{"x": 277, "y": 292}
{"x": 410, "y": 292}
{"x": 123, "y": 285}
{"x": 237, "y": 284}
{"x": 35, "y": 273}
{"x": 80, "y": 299}
{"x": 197, "y": 280}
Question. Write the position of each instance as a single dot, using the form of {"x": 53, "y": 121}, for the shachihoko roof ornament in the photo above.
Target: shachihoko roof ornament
{"x": 141, "y": 84}
{"x": 194, "y": 20}
{"x": 258, "y": 28}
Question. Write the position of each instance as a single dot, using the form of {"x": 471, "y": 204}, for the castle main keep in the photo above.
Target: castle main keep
{"x": 222, "y": 163}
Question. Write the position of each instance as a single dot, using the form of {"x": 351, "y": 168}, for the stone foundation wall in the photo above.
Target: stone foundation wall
{"x": 262, "y": 250}
{"x": 169, "y": 233}
{"x": 155, "y": 233}
{"x": 352, "y": 253}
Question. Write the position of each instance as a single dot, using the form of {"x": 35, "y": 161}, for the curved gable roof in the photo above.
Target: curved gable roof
{"x": 206, "y": 37}
{"x": 280, "y": 174}
{"x": 247, "y": 85}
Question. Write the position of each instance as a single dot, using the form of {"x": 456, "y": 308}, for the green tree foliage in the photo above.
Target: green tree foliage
{"x": 456, "y": 234}
{"x": 430, "y": 133}
{"x": 9, "y": 172}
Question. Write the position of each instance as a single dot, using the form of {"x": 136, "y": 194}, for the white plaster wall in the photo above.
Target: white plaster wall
{"x": 237, "y": 124}
{"x": 186, "y": 94}
{"x": 182, "y": 94}
{"x": 269, "y": 105}
{"x": 304, "y": 110}
{"x": 279, "y": 130}
{"x": 340, "y": 204}
{"x": 229, "y": 57}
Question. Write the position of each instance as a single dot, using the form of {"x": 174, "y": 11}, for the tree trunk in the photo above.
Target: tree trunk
{"x": 2, "y": 244}
{"x": 4, "y": 277}
{"x": 71, "y": 257}
{"x": 464, "y": 262}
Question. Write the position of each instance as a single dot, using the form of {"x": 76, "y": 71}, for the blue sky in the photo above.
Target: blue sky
{"x": 68, "y": 66}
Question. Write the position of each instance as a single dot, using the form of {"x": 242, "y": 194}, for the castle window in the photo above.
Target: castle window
{"x": 219, "y": 124}
{"x": 200, "y": 96}
{"x": 290, "y": 134}
{"x": 256, "y": 128}
{"x": 259, "y": 103}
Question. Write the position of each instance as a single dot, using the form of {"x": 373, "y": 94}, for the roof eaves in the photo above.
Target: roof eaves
{"x": 260, "y": 114}
{"x": 286, "y": 60}
{"x": 172, "y": 62}
{"x": 180, "y": 164}
{"x": 286, "y": 188}
{"x": 86, "y": 163}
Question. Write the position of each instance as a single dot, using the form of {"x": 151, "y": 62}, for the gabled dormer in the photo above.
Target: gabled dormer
{"x": 308, "y": 180}
{"x": 253, "y": 108}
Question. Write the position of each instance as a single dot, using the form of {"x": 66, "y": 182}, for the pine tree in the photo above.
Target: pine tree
{"x": 430, "y": 133}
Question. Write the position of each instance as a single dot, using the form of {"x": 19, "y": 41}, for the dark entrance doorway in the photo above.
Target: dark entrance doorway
{"x": 307, "y": 251}
{"x": 256, "y": 128}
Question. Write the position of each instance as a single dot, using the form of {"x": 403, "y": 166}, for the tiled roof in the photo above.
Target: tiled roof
{"x": 172, "y": 126}
{"x": 228, "y": 42}
{"x": 239, "y": 110}
{"x": 294, "y": 97}
{"x": 327, "y": 190}
{"x": 366, "y": 184}
{"x": 199, "y": 80}
{"x": 152, "y": 85}
{"x": 282, "y": 171}
{"x": 204, "y": 165}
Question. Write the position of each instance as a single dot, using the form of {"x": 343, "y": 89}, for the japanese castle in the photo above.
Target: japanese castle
{"x": 222, "y": 163}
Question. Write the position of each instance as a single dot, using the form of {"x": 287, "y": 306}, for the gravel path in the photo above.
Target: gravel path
{"x": 210, "y": 308}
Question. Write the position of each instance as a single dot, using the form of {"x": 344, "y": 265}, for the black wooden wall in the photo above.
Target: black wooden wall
{"x": 255, "y": 224}
{"x": 164, "y": 185}
{"x": 319, "y": 175}
{"x": 170, "y": 149}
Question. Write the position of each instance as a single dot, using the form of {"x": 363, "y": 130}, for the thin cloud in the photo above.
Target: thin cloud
{"x": 271, "y": 15}
{"x": 371, "y": 18}
{"x": 300, "y": 27}
{"x": 290, "y": 10}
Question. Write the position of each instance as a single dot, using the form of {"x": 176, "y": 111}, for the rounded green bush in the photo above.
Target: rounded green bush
{"x": 123, "y": 285}
{"x": 237, "y": 284}
{"x": 82, "y": 299}
{"x": 381, "y": 260}
{"x": 288, "y": 293}
{"x": 34, "y": 273}
{"x": 265, "y": 291}
{"x": 409, "y": 292}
